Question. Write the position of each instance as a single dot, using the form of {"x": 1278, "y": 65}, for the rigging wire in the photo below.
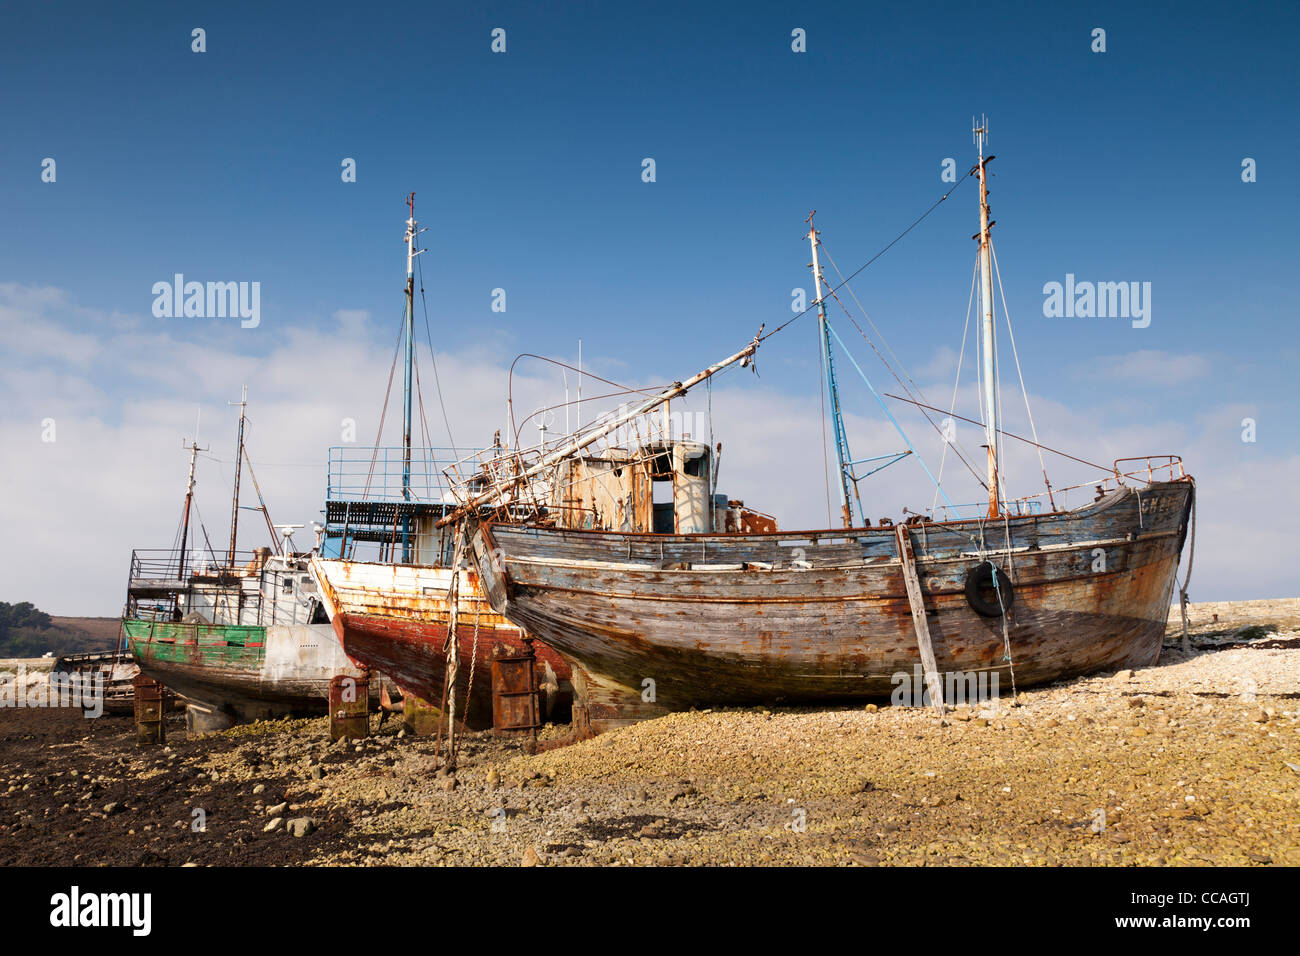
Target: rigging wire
{"x": 1109, "y": 469}
{"x": 202, "y": 527}
{"x": 434, "y": 359}
{"x": 589, "y": 398}
{"x": 892, "y": 243}
{"x": 885, "y": 362}
{"x": 1033, "y": 429}
{"x": 961, "y": 357}
{"x": 998, "y": 444}
{"x": 383, "y": 414}
{"x": 821, "y": 391}
{"x": 510, "y": 388}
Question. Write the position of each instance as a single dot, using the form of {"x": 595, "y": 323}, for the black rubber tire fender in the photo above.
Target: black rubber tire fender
{"x": 982, "y": 577}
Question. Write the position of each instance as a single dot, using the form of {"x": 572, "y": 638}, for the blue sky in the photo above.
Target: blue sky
{"x": 225, "y": 165}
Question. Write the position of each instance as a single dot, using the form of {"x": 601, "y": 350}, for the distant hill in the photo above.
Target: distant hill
{"x": 26, "y": 631}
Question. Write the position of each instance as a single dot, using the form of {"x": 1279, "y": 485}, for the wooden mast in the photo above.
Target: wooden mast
{"x": 989, "y": 361}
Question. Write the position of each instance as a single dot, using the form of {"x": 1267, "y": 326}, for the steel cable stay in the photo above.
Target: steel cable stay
{"x": 425, "y": 434}
{"x": 208, "y": 541}
{"x": 997, "y": 382}
{"x": 1033, "y": 429}
{"x": 433, "y": 358}
{"x": 892, "y": 243}
{"x": 956, "y": 385}
{"x": 826, "y": 461}
{"x": 383, "y": 412}
{"x": 915, "y": 388}
{"x": 893, "y": 421}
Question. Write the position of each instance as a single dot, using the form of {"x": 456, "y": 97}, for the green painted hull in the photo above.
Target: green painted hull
{"x": 247, "y": 672}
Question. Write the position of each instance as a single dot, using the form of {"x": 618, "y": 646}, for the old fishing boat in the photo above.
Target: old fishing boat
{"x": 241, "y": 636}
{"x": 416, "y": 609}
{"x": 386, "y": 573}
{"x": 665, "y": 621}
{"x": 113, "y": 670}
{"x": 395, "y": 617}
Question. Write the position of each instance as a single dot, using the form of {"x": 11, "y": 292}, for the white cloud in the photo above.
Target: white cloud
{"x": 1146, "y": 368}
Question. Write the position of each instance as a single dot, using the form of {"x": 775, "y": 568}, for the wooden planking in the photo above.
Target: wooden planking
{"x": 1126, "y": 513}
{"x": 839, "y": 632}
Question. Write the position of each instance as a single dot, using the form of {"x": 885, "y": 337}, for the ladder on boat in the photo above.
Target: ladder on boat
{"x": 907, "y": 559}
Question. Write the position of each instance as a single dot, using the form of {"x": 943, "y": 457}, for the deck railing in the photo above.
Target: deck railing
{"x": 157, "y": 590}
{"x": 355, "y": 473}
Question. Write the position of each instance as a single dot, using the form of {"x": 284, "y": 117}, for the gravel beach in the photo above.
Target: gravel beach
{"x": 1194, "y": 761}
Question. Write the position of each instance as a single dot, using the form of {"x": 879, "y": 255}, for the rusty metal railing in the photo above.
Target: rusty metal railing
{"x": 1155, "y": 468}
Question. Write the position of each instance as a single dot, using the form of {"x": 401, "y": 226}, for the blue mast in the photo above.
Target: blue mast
{"x": 832, "y": 386}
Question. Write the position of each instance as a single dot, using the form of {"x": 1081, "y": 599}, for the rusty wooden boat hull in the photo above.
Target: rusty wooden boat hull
{"x": 705, "y": 620}
{"x": 116, "y": 669}
{"x": 394, "y": 617}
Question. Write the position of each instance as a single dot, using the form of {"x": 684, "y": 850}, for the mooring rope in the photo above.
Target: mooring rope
{"x": 1006, "y": 636}
{"x": 473, "y": 668}
{"x": 449, "y": 647}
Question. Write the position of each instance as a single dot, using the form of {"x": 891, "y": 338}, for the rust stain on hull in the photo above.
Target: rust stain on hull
{"x": 394, "y": 618}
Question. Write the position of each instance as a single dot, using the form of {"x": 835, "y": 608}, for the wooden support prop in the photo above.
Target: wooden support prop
{"x": 907, "y": 558}
{"x": 150, "y": 711}
{"x": 349, "y": 703}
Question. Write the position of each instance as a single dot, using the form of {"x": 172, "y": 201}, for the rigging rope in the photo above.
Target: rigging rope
{"x": 1006, "y": 637}
{"x": 473, "y": 668}
{"x": 961, "y": 358}
{"x": 826, "y": 464}
{"x": 451, "y": 647}
{"x": 1033, "y": 429}
{"x": 388, "y": 391}
{"x": 434, "y": 359}
{"x": 885, "y": 362}
{"x": 892, "y": 243}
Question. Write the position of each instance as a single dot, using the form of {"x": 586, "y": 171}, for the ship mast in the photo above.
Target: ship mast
{"x": 239, "y": 460}
{"x": 832, "y": 386}
{"x": 412, "y": 230}
{"x": 189, "y": 499}
{"x": 989, "y": 361}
